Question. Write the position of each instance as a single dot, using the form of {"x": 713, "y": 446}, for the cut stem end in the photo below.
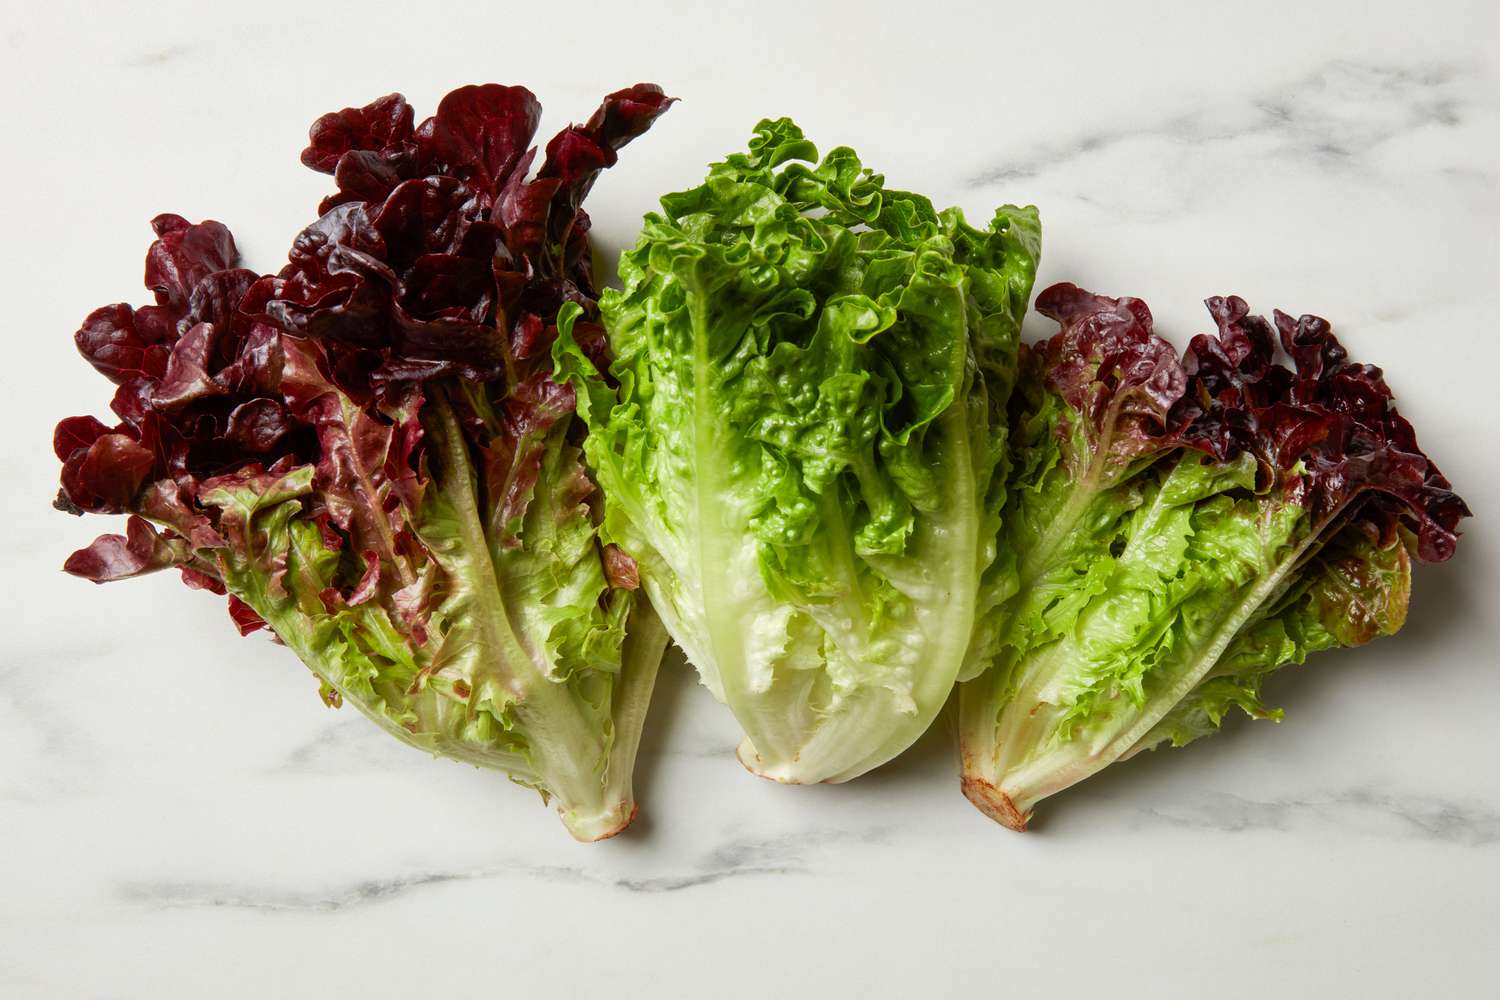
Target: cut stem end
{"x": 994, "y": 803}
{"x": 752, "y": 762}
{"x": 591, "y": 827}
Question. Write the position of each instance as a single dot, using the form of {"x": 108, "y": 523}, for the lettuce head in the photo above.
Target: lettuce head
{"x": 1181, "y": 529}
{"x": 801, "y": 441}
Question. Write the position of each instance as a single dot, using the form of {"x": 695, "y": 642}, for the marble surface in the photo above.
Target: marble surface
{"x": 182, "y": 823}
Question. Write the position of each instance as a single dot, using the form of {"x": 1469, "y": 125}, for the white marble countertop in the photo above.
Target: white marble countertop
{"x": 175, "y": 823}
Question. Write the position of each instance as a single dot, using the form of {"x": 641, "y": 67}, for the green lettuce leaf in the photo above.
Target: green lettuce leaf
{"x": 1357, "y": 589}
{"x": 801, "y": 442}
{"x": 508, "y": 651}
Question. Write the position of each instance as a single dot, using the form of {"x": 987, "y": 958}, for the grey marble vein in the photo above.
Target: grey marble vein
{"x": 1362, "y": 809}
{"x": 214, "y": 895}
{"x": 782, "y": 855}
{"x": 1332, "y": 115}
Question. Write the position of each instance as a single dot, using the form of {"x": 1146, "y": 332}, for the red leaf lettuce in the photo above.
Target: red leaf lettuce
{"x": 367, "y": 451}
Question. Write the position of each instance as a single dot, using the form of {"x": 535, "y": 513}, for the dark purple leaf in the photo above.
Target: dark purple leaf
{"x": 187, "y": 377}
{"x": 74, "y": 433}
{"x": 112, "y": 344}
{"x": 117, "y": 557}
{"x": 196, "y": 579}
{"x": 1325, "y": 430}
{"x": 378, "y": 126}
{"x": 105, "y": 477}
{"x": 1120, "y": 378}
{"x": 184, "y": 255}
{"x": 244, "y": 617}
{"x": 258, "y": 425}
{"x": 480, "y": 133}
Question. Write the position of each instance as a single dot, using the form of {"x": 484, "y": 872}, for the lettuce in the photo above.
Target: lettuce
{"x": 368, "y": 454}
{"x": 1182, "y": 529}
{"x": 801, "y": 442}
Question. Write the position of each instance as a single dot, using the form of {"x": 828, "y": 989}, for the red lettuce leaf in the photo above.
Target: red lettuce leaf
{"x": 116, "y": 557}
{"x": 480, "y": 134}
{"x": 382, "y": 124}
{"x": 1118, "y": 377}
{"x": 1325, "y": 429}
{"x": 112, "y": 343}
{"x": 183, "y": 255}
{"x": 436, "y": 259}
{"x": 74, "y": 433}
{"x": 244, "y": 617}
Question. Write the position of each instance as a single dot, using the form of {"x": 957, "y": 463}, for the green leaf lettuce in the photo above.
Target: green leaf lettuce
{"x": 801, "y": 441}
{"x": 1181, "y": 529}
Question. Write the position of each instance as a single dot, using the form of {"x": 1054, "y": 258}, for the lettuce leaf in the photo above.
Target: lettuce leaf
{"x": 368, "y": 454}
{"x": 801, "y": 442}
{"x": 1182, "y": 529}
